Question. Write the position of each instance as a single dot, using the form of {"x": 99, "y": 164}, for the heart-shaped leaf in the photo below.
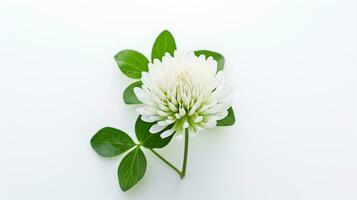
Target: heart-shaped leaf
{"x": 150, "y": 140}
{"x": 129, "y": 95}
{"x": 216, "y": 56}
{"x": 131, "y": 63}
{"x": 110, "y": 142}
{"x": 131, "y": 169}
{"x": 228, "y": 120}
{"x": 165, "y": 42}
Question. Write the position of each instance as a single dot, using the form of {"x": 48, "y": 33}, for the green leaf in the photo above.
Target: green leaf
{"x": 131, "y": 169}
{"x": 150, "y": 140}
{"x": 165, "y": 42}
{"x": 216, "y": 56}
{"x": 228, "y": 120}
{"x": 129, "y": 95}
{"x": 110, "y": 142}
{"x": 131, "y": 63}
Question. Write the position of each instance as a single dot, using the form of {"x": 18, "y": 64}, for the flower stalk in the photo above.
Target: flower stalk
{"x": 185, "y": 153}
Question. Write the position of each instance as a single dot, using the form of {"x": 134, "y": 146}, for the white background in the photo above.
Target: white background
{"x": 293, "y": 65}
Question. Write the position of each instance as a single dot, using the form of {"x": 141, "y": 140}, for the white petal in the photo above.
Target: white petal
{"x": 221, "y": 115}
{"x": 162, "y": 113}
{"x": 156, "y": 128}
{"x": 211, "y": 123}
{"x": 165, "y": 123}
{"x": 156, "y": 61}
{"x": 182, "y": 112}
{"x": 150, "y": 118}
{"x": 198, "y": 119}
{"x": 164, "y": 108}
{"x": 202, "y": 58}
{"x": 204, "y": 108}
{"x": 172, "y": 106}
{"x": 140, "y": 94}
{"x": 193, "y": 109}
{"x": 144, "y": 110}
{"x": 167, "y": 133}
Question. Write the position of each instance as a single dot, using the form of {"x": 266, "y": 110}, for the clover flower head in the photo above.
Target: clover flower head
{"x": 183, "y": 91}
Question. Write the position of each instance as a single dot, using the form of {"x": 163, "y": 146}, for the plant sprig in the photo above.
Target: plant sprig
{"x": 109, "y": 142}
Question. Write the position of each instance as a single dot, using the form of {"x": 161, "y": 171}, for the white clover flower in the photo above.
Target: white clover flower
{"x": 184, "y": 91}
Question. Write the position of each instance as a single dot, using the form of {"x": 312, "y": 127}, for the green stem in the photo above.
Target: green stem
{"x": 183, "y": 173}
{"x": 167, "y": 162}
